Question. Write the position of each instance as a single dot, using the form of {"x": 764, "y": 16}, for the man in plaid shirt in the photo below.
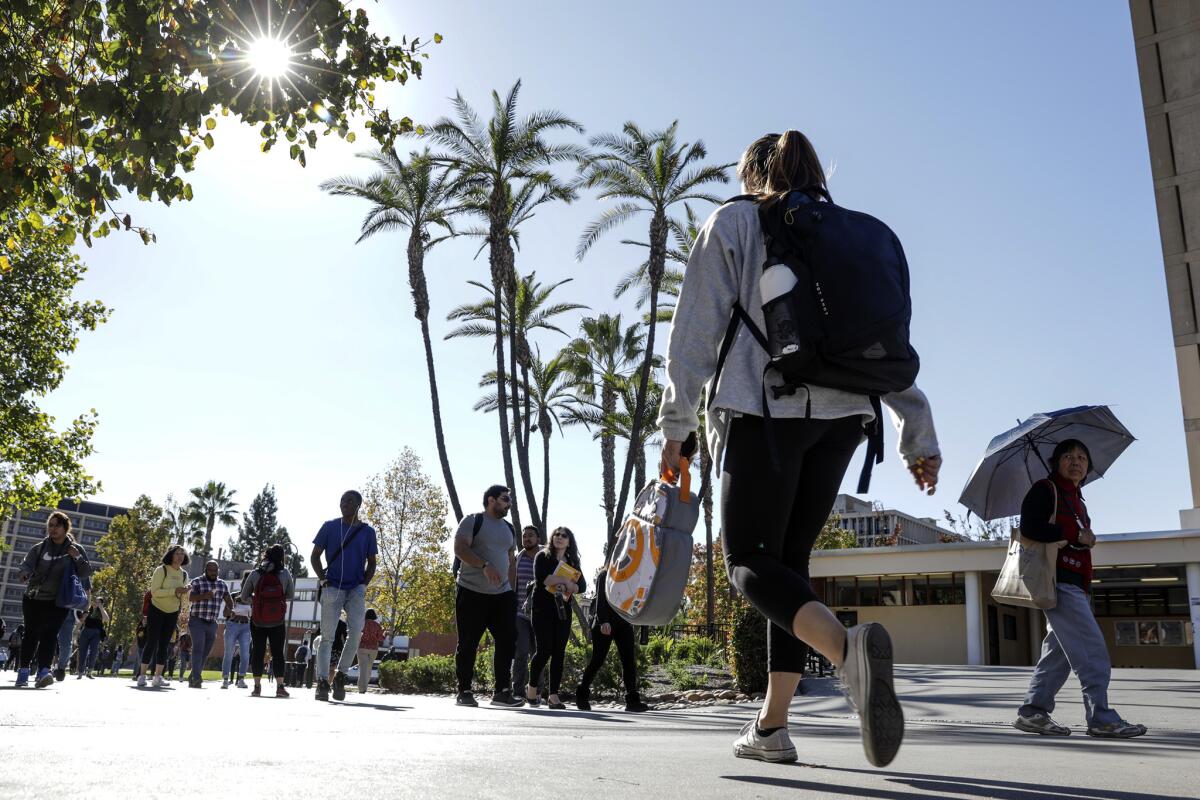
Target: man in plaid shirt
{"x": 207, "y": 594}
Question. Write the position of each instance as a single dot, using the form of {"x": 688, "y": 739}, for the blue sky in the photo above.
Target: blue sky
{"x": 1004, "y": 143}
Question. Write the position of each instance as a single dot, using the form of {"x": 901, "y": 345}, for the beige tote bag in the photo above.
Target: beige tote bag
{"x": 1028, "y": 575}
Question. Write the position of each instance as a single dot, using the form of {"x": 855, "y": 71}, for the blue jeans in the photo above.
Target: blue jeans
{"x": 89, "y": 648}
{"x": 65, "y": 634}
{"x": 204, "y": 636}
{"x": 1073, "y": 643}
{"x": 333, "y": 601}
{"x": 236, "y": 633}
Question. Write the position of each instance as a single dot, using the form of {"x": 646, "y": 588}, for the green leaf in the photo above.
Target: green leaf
{"x": 208, "y": 141}
{"x": 437, "y": 38}
{"x": 210, "y": 123}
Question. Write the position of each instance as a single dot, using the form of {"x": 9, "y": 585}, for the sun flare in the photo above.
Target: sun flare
{"x": 269, "y": 57}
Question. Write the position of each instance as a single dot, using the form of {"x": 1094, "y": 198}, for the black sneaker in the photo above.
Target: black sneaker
{"x": 867, "y": 675}
{"x": 60, "y": 675}
{"x": 506, "y": 699}
{"x": 465, "y": 699}
{"x": 323, "y": 690}
{"x": 633, "y": 702}
{"x": 339, "y": 687}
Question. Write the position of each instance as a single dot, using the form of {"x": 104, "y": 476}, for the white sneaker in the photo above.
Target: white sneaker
{"x": 142, "y": 681}
{"x": 241, "y": 683}
{"x": 775, "y": 748}
{"x": 224, "y": 684}
{"x": 867, "y": 677}
{"x": 160, "y": 682}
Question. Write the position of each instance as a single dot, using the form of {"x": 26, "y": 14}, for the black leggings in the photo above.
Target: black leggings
{"x": 43, "y": 619}
{"x": 550, "y": 636}
{"x": 622, "y": 634}
{"x": 159, "y": 626}
{"x": 475, "y": 612}
{"x": 260, "y": 636}
{"x": 770, "y": 519}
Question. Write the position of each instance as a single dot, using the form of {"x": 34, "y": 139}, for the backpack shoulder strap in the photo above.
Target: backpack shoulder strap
{"x": 477, "y": 526}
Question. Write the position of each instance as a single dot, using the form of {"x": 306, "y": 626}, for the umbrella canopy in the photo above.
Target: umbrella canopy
{"x": 1018, "y": 458}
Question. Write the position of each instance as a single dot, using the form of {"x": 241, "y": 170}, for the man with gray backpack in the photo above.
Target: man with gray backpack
{"x": 794, "y": 316}
{"x": 485, "y": 599}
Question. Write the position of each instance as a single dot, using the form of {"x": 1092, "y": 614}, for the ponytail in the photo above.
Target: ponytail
{"x": 776, "y": 164}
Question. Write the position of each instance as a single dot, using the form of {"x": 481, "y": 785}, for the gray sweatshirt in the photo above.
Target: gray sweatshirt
{"x": 45, "y": 563}
{"x": 725, "y": 265}
{"x": 251, "y": 584}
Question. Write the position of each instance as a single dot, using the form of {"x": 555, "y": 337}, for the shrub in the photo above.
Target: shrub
{"x": 608, "y": 680}
{"x": 682, "y": 679}
{"x": 418, "y": 675}
{"x": 695, "y": 650}
{"x": 748, "y": 659}
{"x": 659, "y": 649}
{"x": 485, "y": 676}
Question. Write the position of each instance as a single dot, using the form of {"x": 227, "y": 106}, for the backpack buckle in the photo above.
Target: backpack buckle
{"x": 786, "y": 389}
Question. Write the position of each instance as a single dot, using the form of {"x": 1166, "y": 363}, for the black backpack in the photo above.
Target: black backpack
{"x": 844, "y": 324}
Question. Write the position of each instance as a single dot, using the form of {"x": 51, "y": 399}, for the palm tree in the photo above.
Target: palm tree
{"x": 600, "y": 360}
{"x": 619, "y": 423}
{"x": 212, "y": 503}
{"x": 490, "y": 162}
{"x": 413, "y": 196}
{"x": 186, "y": 530}
{"x": 549, "y": 392}
{"x": 647, "y": 172}
{"x": 684, "y": 233}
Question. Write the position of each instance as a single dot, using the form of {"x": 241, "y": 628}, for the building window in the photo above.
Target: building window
{"x": 95, "y": 524}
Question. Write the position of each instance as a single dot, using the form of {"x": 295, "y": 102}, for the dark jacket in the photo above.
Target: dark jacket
{"x": 544, "y": 566}
{"x": 603, "y": 611}
{"x": 45, "y": 564}
{"x": 1062, "y": 499}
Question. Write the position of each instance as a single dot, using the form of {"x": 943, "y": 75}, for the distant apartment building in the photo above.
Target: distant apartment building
{"x": 875, "y": 526}
{"x": 89, "y": 521}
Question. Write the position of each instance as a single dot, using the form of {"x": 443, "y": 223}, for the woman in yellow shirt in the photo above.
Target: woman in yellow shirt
{"x": 168, "y": 585}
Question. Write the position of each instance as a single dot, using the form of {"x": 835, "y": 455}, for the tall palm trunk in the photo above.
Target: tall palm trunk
{"x": 420, "y": 293}
{"x": 639, "y": 466}
{"x": 500, "y": 261}
{"x": 519, "y": 427}
{"x": 209, "y": 524}
{"x": 544, "y": 429}
{"x": 656, "y": 266}
{"x": 608, "y": 457}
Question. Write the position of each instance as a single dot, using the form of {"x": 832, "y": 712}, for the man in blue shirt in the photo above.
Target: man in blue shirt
{"x": 351, "y": 547}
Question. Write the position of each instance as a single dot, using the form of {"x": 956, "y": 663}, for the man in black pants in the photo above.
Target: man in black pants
{"x": 485, "y": 599}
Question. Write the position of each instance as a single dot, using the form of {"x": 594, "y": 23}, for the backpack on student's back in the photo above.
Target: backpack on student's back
{"x": 652, "y": 555}
{"x": 270, "y": 601}
{"x": 835, "y": 295}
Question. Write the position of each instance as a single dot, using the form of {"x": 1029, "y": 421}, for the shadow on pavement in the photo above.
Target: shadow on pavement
{"x": 376, "y": 706}
{"x": 923, "y": 786}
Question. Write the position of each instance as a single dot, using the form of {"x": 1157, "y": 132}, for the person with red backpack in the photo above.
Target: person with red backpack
{"x": 267, "y": 589}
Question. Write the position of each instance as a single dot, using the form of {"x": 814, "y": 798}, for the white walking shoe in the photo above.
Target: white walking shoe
{"x": 775, "y": 747}
{"x": 160, "y": 682}
{"x": 224, "y": 684}
{"x": 142, "y": 681}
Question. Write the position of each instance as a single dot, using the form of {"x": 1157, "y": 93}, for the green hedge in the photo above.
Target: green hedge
{"x": 427, "y": 674}
{"x": 748, "y": 659}
{"x": 696, "y": 650}
{"x": 424, "y": 674}
{"x": 682, "y": 679}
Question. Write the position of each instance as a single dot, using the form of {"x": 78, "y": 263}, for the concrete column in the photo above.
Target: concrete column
{"x": 974, "y": 618}
{"x": 1193, "y": 582}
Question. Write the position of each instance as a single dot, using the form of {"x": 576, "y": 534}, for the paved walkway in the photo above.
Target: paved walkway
{"x": 106, "y": 738}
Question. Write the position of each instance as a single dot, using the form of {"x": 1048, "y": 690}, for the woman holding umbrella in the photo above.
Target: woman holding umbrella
{"x": 1054, "y": 511}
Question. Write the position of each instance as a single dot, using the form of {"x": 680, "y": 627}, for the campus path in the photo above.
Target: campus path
{"x": 105, "y": 738}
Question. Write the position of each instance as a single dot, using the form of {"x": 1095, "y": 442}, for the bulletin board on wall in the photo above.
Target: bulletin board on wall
{"x": 1153, "y": 633}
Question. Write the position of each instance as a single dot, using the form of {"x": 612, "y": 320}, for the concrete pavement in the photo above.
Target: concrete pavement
{"x": 106, "y": 738}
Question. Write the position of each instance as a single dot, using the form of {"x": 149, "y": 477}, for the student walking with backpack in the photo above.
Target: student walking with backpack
{"x": 485, "y": 599}
{"x": 368, "y": 648}
{"x": 209, "y": 596}
{"x": 530, "y": 539}
{"x": 609, "y": 627}
{"x": 89, "y": 638}
{"x": 351, "y": 547}
{"x": 797, "y": 345}
{"x": 48, "y": 564}
{"x": 268, "y": 589}
{"x": 551, "y": 611}
{"x": 237, "y": 636}
{"x": 168, "y": 585}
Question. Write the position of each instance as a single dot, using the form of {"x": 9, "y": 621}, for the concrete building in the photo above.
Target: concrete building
{"x": 89, "y": 521}
{"x": 874, "y": 525}
{"x": 935, "y": 600}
